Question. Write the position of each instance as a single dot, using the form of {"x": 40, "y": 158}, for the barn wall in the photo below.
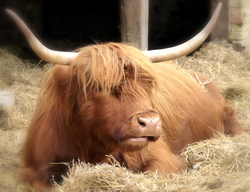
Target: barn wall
{"x": 239, "y": 22}
{"x": 234, "y": 22}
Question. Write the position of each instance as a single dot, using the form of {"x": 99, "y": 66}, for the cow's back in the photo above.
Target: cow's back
{"x": 231, "y": 125}
{"x": 191, "y": 107}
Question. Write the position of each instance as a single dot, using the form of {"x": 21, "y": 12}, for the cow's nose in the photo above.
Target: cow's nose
{"x": 148, "y": 123}
{"x": 149, "y": 126}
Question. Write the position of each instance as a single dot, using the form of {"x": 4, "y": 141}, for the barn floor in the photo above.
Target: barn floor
{"x": 221, "y": 164}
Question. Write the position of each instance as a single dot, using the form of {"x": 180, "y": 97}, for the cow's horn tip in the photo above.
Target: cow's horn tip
{"x": 9, "y": 11}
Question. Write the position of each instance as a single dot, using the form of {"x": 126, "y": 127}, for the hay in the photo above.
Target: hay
{"x": 3, "y": 117}
{"x": 105, "y": 177}
{"x": 22, "y": 79}
{"x": 10, "y": 147}
{"x": 221, "y": 164}
{"x": 214, "y": 164}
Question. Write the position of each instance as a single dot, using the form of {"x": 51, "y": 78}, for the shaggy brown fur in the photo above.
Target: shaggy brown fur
{"x": 87, "y": 110}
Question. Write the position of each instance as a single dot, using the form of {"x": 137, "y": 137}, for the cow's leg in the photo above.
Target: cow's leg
{"x": 231, "y": 123}
{"x": 160, "y": 157}
{"x": 30, "y": 176}
{"x": 156, "y": 157}
{"x": 44, "y": 176}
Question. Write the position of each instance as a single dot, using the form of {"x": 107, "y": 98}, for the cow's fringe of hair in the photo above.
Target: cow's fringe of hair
{"x": 108, "y": 66}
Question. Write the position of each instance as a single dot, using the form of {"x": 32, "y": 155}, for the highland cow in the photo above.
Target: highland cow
{"x": 111, "y": 99}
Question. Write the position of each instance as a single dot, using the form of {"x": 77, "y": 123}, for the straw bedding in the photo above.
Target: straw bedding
{"x": 221, "y": 164}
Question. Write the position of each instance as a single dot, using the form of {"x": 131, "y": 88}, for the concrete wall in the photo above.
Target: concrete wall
{"x": 239, "y": 22}
{"x": 234, "y": 22}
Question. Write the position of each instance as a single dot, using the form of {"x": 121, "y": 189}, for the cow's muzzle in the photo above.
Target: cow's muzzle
{"x": 148, "y": 125}
{"x": 145, "y": 127}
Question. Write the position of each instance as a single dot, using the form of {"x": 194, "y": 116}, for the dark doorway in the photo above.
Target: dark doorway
{"x": 175, "y": 21}
{"x": 67, "y": 25}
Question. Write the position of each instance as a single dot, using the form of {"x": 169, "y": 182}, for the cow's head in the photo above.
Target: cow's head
{"x": 111, "y": 86}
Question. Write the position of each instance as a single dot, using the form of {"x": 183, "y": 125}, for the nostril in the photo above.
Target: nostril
{"x": 141, "y": 122}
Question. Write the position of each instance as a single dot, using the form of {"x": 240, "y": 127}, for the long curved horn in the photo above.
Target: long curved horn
{"x": 187, "y": 47}
{"x": 57, "y": 57}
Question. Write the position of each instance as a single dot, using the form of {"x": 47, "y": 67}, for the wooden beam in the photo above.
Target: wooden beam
{"x": 134, "y": 23}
